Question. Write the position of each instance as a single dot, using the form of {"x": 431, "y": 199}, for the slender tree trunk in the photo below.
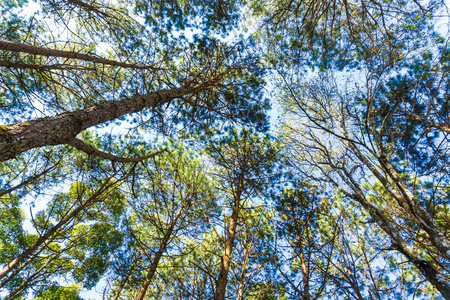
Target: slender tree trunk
{"x": 426, "y": 222}
{"x": 301, "y": 255}
{"x": 49, "y": 67}
{"x": 25, "y": 284}
{"x": 28, "y": 180}
{"x": 240, "y": 293}
{"x": 305, "y": 276}
{"x": 42, "y": 239}
{"x": 221, "y": 283}
{"x": 431, "y": 273}
{"x": 158, "y": 255}
{"x": 125, "y": 280}
{"x": 406, "y": 199}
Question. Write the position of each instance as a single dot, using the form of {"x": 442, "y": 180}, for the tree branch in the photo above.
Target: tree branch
{"x": 88, "y": 149}
{"x": 30, "y": 49}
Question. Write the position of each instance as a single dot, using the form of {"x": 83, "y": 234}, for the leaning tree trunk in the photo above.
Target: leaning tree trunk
{"x": 63, "y": 128}
{"x": 42, "y": 51}
{"x": 428, "y": 269}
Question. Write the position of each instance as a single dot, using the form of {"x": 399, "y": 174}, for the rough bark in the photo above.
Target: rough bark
{"x": 63, "y": 128}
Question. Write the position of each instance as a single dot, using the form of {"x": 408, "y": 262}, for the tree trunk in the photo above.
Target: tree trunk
{"x": 61, "y": 129}
{"x": 221, "y": 283}
{"x": 127, "y": 277}
{"x": 406, "y": 199}
{"x": 428, "y": 270}
{"x": 247, "y": 251}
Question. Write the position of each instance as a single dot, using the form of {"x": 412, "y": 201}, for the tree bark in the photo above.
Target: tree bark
{"x": 63, "y": 128}
{"x": 221, "y": 283}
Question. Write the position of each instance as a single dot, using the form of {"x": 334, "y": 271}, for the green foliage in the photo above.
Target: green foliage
{"x": 60, "y": 293}
{"x": 13, "y": 238}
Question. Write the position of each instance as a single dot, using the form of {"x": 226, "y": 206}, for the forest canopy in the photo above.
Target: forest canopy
{"x": 224, "y": 149}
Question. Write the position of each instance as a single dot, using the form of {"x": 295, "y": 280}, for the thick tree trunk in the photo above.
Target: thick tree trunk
{"x": 62, "y": 129}
{"x": 221, "y": 283}
{"x": 158, "y": 255}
